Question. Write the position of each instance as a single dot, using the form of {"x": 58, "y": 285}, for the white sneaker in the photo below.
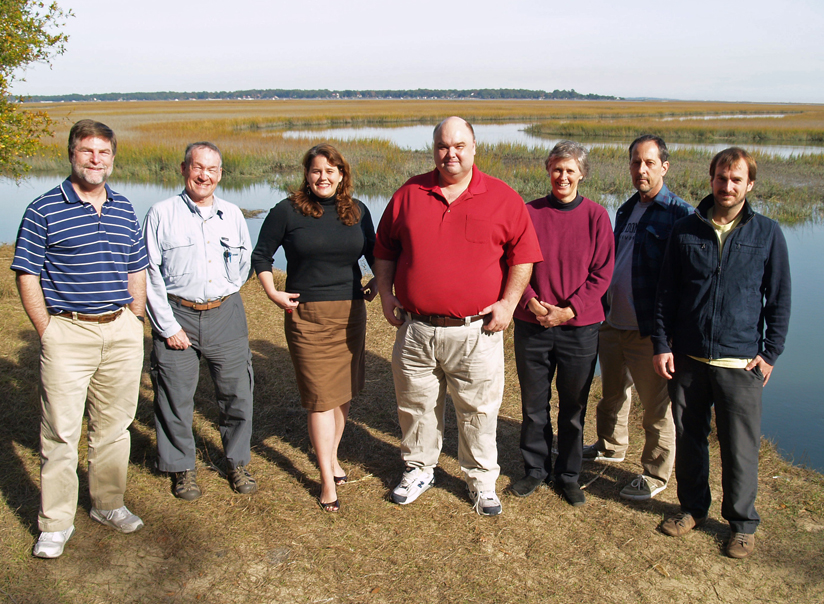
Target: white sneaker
{"x": 486, "y": 503}
{"x": 50, "y": 545}
{"x": 413, "y": 482}
{"x": 120, "y": 519}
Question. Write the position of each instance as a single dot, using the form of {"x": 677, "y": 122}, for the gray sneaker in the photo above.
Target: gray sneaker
{"x": 413, "y": 482}
{"x": 594, "y": 453}
{"x": 486, "y": 503}
{"x": 642, "y": 488}
{"x": 120, "y": 519}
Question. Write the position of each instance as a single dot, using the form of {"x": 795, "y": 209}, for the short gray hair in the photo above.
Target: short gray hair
{"x": 190, "y": 149}
{"x": 570, "y": 150}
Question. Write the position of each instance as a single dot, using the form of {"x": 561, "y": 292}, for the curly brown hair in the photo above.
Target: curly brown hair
{"x": 307, "y": 204}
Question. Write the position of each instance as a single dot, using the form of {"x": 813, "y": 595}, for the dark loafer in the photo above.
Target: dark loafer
{"x": 526, "y": 485}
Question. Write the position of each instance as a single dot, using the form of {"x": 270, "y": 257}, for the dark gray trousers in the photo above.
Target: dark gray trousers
{"x": 736, "y": 394}
{"x": 219, "y": 335}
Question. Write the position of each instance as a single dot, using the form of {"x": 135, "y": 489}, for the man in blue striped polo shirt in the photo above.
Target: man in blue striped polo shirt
{"x": 81, "y": 273}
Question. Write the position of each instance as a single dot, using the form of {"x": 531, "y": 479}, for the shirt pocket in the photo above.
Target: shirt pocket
{"x": 232, "y": 250}
{"x": 177, "y": 256}
{"x": 478, "y": 230}
{"x": 656, "y": 242}
{"x": 751, "y": 251}
{"x": 699, "y": 258}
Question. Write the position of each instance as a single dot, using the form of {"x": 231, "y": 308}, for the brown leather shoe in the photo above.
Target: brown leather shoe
{"x": 681, "y": 524}
{"x": 740, "y": 545}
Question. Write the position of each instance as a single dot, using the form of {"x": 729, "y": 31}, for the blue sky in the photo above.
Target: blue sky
{"x": 702, "y": 50}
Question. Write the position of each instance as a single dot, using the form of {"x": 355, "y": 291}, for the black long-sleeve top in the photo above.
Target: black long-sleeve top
{"x": 321, "y": 253}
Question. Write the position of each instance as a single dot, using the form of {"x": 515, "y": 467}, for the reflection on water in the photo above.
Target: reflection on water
{"x": 419, "y": 138}
{"x": 14, "y": 200}
{"x": 793, "y": 414}
{"x": 748, "y": 116}
{"x": 249, "y": 196}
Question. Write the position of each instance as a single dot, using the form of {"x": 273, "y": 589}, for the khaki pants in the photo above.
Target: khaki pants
{"x": 626, "y": 359}
{"x": 467, "y": 362}
{"x": 80, "y": 360}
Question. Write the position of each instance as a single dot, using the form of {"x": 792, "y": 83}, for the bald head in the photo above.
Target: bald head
{"x": 453, "y": 120}
{"x": 454, "y": 150}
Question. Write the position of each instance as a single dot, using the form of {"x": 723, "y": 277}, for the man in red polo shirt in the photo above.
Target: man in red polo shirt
{"x": 458, "y": 246}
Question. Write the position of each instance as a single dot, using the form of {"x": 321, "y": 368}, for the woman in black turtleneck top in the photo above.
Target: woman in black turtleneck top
{"x": 324, "y": 232}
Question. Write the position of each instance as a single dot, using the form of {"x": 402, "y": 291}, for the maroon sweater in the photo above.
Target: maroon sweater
{"x": 579, "y": 252}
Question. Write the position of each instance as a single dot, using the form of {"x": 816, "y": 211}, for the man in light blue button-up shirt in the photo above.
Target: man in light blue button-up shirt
{"x": 199, "y": 256}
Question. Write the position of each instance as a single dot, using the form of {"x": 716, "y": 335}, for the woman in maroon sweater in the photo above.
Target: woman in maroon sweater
{"x": 557, "y": 321}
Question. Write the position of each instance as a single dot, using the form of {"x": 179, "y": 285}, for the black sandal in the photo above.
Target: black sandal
{"x": 341, "y": 480}
{"x": 332, "y": 506}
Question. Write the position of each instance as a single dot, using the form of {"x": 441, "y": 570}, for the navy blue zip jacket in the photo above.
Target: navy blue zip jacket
{"x": 736, "y": 308}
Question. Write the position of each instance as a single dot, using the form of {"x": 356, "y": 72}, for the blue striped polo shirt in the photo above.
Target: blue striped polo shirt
{"x": 83, "y": 260}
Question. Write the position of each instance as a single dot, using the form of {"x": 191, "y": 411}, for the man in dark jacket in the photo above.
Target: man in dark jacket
{"x": 642, "y": 228}
{"x": 722, "y": 313}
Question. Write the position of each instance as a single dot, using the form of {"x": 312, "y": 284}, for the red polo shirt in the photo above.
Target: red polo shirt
{"x": 452, "y": 258}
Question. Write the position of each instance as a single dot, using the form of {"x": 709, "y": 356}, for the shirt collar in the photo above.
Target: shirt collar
{"x": 70, "y": 195}
{"x": 706, "y": 205}
{"x": 555, "y": 203}
{"x": 662, "y": 198}
{"x": 476, "y": 186}
{"x": 217, "y": 206}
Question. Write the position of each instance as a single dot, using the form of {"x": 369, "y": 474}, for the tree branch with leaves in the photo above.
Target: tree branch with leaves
{"x": 29, "y": 33}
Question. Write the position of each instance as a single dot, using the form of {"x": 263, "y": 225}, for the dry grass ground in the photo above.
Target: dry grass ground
{"x": 278, "y": 546}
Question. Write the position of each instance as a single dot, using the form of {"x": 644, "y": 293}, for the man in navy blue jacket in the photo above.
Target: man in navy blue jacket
{"x": 722, "y": 313}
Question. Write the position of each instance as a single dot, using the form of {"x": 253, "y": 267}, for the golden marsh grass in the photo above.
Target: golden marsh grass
{"x": 152, "y": 136}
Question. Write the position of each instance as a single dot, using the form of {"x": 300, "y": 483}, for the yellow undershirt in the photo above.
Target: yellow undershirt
{"x": 722, "y": 231}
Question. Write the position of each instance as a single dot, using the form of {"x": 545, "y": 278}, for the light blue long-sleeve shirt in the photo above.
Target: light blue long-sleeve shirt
{"x": 195, "y": 258}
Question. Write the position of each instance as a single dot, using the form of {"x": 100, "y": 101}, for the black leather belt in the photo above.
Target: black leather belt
{"x": 105, "y": 318}
{"x": 439, "y": 321}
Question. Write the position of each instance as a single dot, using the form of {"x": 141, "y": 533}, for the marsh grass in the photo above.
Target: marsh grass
{"x": 153, "y": 135}
{"x": 793, "y": 130}
{"x": 277, "y": 546}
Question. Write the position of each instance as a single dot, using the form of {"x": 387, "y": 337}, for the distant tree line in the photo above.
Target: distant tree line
{"x": 279, "y": 93}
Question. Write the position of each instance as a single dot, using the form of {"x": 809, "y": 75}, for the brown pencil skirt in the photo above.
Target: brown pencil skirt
{"x": 327, "y": 342}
